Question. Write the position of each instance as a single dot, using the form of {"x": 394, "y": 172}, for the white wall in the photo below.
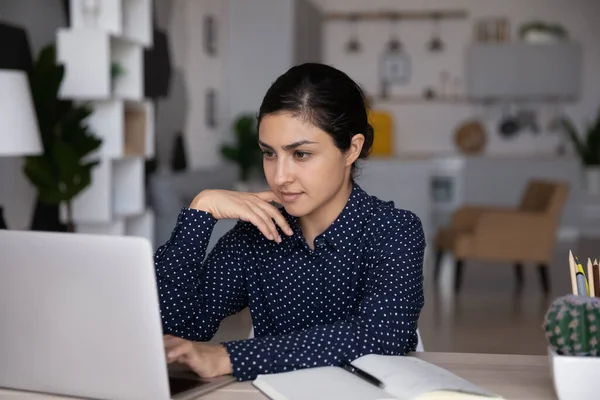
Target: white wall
{"x": 427, "y": 128}
{"x": 260, "y": 49}
{"x": 40, "y": 19}
{"x": 254, "y": 46}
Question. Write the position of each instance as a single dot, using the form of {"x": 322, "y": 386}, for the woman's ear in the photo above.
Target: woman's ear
{"x": 356, "y": 145}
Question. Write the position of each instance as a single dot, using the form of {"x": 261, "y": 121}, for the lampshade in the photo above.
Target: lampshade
{"x": 19, "y": 131}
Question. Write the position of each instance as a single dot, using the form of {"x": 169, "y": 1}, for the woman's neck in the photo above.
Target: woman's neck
{"x": 319, "y": 220}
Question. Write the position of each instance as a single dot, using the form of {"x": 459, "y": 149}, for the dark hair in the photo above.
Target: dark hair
{"x": 327, "y": 98}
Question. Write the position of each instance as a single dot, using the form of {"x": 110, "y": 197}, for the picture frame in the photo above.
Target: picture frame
{"x": 395, "y": 67}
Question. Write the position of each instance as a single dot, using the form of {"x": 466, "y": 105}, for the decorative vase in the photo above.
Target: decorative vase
{"x": 574, "y": 377}
{"x": 592, "y": 180}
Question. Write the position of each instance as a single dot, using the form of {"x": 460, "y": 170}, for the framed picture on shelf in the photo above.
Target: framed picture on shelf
{"x": 395, "y": 67}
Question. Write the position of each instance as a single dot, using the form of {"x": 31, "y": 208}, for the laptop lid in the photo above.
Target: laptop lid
{"x": 80, "y": 316}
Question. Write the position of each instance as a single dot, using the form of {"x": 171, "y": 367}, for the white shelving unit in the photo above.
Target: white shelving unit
{"x": 104, "y": 33}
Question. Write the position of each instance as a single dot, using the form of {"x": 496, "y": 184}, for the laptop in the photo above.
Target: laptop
{"x": 79, "y": 316}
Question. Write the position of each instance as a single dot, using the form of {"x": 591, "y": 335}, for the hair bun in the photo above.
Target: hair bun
{"x": 369, "y": 137}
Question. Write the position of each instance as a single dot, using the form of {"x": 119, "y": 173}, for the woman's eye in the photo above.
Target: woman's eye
{"x": 301, "y": 155}
{"x": 268, "y": 154}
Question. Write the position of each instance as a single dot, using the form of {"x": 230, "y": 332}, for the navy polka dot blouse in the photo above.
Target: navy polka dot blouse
{"x": 359, "y": 292}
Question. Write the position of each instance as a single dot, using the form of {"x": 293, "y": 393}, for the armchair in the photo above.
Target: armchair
{"x": 523, "y": 234}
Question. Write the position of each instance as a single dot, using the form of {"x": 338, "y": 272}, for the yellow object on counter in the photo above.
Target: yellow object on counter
{"x": 383, "y": 144}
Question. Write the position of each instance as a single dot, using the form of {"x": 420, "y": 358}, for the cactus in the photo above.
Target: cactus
{"x": 572, "y": 325}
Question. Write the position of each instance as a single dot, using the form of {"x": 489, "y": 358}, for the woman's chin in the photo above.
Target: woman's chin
{"x": 295, "y": 210}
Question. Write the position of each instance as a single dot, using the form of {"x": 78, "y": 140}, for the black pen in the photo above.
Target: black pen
{"x": 362, "y": 374}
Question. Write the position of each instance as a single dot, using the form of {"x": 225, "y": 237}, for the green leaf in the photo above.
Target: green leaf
{"x": 40, "y": 171}
{"x": 66, "y": 158}
{"x": 52, "y": 197}
{"x": 61, "y": 172}
{"x": 230, "y": 153}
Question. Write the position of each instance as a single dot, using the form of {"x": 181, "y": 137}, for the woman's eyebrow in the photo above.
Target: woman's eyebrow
{"x": 288, "y": 146}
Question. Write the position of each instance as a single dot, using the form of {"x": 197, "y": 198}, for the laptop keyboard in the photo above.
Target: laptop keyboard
{"x": 178, "y": 385}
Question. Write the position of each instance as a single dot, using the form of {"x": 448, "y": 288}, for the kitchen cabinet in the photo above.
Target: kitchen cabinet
{"x": 522, "y": 70}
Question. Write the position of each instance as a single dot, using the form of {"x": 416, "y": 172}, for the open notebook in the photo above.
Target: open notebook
{"x": 404, "y": 378}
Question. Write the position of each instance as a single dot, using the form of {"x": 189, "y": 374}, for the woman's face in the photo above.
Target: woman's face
{"x": 302, "y": 165}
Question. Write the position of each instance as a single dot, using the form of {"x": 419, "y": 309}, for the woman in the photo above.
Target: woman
{"x": 333, "y": 275}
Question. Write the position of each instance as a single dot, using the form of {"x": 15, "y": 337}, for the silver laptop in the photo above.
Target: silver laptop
{"x": 79, "y": 316}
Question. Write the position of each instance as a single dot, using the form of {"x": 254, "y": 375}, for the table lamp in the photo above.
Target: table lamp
{"x": 19, "y": 131}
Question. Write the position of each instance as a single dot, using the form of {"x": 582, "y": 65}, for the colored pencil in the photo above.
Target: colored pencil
{"x": 573, "y": 272}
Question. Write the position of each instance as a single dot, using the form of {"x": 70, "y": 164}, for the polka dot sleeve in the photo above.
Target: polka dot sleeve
{"x": 196, "y": 294}
{"x": 385, "y": 321}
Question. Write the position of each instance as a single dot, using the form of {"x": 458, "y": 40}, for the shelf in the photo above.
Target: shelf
{"x": 117, "y": 190}
{"x": 88, "y": 54}
{"x": 138, "y": 129}
{"x": 137, "y": 21}
{"x": 85, "y": 55}
{"x": 128, "y": 196}
{"x": 131, "y": 19}
{"x": 524, "y": 69}
{"x": 109, "y": 19}
{"x": 402, "y": 15}
{"x": 126, "y": 128}
{"x": 93, "y": 204}
{"x": 416, "y": 99}
{"x": 129, "y": 56}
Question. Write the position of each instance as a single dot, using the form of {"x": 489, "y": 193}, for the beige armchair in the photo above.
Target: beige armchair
{"x": 523, "y": 234}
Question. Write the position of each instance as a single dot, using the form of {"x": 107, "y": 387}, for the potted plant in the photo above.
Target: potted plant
{"x": 116, "y": 72}
{"x": 587, "y": 147}
{"x": 542, "y": 32}
{"x": 64, "y": 169}
{"x": 572, "y": 328}
{"x": 245, "y": 153}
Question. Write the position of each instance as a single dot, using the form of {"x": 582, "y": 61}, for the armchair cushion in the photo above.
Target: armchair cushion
{"x": 465, "y": 218}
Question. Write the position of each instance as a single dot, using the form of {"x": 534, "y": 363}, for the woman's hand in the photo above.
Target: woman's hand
{"x": 206, "y": 360}
{"x": 250, "y": 207}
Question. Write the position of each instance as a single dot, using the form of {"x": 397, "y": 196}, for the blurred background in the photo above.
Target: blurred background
{"x": 486, "y": 114}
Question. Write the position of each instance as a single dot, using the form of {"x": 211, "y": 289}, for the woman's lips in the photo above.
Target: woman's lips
{"x": 289, "y": 197}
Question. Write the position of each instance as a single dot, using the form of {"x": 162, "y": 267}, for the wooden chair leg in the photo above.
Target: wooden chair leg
{"x": 458, "y": 274}
{"x": 543, "y": 271}
{"x": 519, "y": 275}
{"x": 438, "y": 261}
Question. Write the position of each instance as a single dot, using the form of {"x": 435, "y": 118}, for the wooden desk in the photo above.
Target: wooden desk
{"x": 512, "y": 376}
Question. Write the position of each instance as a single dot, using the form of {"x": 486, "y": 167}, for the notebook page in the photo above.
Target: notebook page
{"x": 409, "y": 377}
{"x": 320, "y": 383}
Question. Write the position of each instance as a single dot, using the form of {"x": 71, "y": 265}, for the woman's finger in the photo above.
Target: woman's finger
{"x": 179, "y": 352}
{"x": 275, "y": 214}
{"x": 267, "y": 196}
{"x": 250, "y": 216}
{"x": 265, "y": 217}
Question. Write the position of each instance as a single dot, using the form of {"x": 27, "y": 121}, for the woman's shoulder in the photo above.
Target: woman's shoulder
{"x": 394, "y": 229}
{"x": 387, "y": 215}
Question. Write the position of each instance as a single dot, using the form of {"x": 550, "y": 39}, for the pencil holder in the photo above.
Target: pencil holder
{"x": 572, "y": 326}
{"x": 574, "y": 377}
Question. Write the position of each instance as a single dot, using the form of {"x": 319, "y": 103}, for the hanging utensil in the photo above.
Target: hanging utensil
{"x": 509, "y": 124}
{"x": 353, "y": 45}
{"x": 436, "y": 44}
{"x": 394, "y": 44}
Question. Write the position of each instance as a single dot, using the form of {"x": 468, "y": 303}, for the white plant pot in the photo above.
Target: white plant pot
{"x": 592, "y": 180}
{"x": 575, "y": 378}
